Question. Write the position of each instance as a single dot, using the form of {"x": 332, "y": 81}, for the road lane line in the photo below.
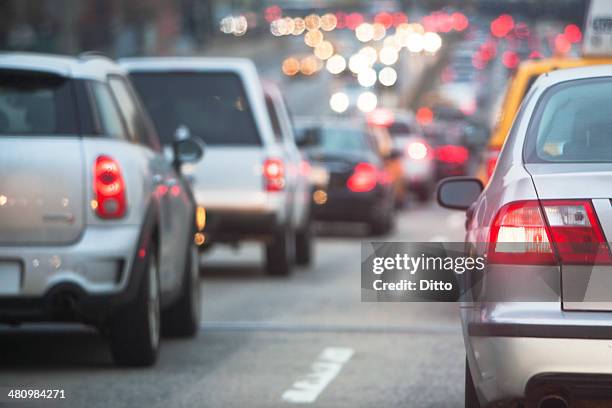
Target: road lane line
{"x": 323, "y": 371}
{"x": 263, "y": 326}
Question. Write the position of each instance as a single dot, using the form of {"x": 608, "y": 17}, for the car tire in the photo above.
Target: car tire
{"x": 384, "y": 226}
{"x": 304, "y": 245}
{"x": 134, "y": 332}
{"x": 182, "y": 319}
{"x": 279, "y": 252}
{"x": 471, "y": 398}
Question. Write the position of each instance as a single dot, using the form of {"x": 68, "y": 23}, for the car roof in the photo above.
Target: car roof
{"x": 159, "y": 64}
{"x": 570, "y": 74}
{"x": 540, "y": 66}
{"x": 87, "y": 66}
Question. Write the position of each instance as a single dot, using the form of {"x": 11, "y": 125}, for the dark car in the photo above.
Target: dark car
{"x": 357, "y": 187}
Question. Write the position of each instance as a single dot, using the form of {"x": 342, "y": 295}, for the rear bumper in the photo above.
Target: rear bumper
{"x": 517, "y": 362}
{"x": 346, "y": 206}
{"x": 231, "y": 226}
{"x": 84, "y": 281}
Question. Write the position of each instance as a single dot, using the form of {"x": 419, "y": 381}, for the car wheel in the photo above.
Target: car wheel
{"x": 303, "y": 245}
{"x": 471, "y": 398}
{"x": 279, "y": 252}
{"x": 182, "y": 319}
{"x": 134, "y": 332}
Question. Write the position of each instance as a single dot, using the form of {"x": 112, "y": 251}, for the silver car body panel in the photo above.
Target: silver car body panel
{"x": 502, "y": 364}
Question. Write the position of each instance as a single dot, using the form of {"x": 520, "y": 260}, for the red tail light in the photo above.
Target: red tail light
{"x": 570, "y": 234}
{"x": 363, "y": 179}
{"x": 576, "y": 232}
{"x": 109, "y": 188}
{"x": 274, "y": 174}
{"x": 452, "y": 154}
{"x": 417, "y": 150}
{"x": 492, "y": 156}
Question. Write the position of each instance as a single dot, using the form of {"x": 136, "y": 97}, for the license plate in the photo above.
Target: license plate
{"x": 10, "y": 277}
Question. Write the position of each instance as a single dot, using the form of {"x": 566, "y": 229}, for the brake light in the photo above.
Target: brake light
{"x": 491, "y": 161}
{"x": 548, "y": 232}
{"x": 519, "y": 235}
{"x": 109, "y": 188}
{"x": 417, "y": 150}
{"x": 452, "y": 154}
{"x": 274, "y": 174}
{"x": 576, "y": 232}
{"x": 363, "y": 179}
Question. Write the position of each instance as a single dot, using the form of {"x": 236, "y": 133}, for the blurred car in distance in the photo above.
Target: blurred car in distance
{"x": 97, "y": 225}
{"x": 359, "y": 189}
{"x": 544, "y": 222}
{"x": 252, "y": 182}
{"x": 417, "y": 154}
{"x": 526, "y": 74}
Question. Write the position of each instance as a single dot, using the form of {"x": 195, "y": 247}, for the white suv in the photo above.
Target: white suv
{"x": 96, "y": 225}
{"x": 253, "y": 181}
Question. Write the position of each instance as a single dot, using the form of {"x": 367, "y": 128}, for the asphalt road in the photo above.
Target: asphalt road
{"x": 270, "y": 342}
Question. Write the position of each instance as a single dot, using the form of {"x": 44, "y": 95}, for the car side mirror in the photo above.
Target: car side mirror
{"x": 186, "y": 148}
{"x": 458, "y": 193}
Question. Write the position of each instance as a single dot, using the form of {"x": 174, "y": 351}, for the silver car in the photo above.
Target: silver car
{"x": 253, "y": 182}
{"x": 96, "y": 224}
{"x": 538, "y": 324}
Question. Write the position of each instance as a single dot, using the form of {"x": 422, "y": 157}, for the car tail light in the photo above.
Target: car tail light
{"x": 417, "y": 150}
{"x": 566, "y": 231}
{"x": 491, "y": 161}
{"x": 274, "y": 174}
{"x": 452, "y": 154}
{"x": 364, "y": 178}
{"x": 576, "y": 232}
{"x": 109, "y": 188}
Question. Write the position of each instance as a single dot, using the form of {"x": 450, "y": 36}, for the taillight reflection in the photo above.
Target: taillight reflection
{"x": 491, "y": 161}
{"x": 109, "y": 189}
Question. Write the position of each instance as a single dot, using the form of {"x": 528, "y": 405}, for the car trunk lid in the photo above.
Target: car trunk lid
{"x": 41, "y": 190}
{"x": 584, "y": 287}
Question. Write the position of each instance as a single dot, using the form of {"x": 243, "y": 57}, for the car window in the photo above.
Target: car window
{"x": 276, "y": 127}
{"x": 337, "y": 139}
{"x": 574, "y": 122}
{"x": 36, "y": 104}
{"x": 129, "y": 110}
{"x": 108, "y": 114}
{"x": 213, "y": 106}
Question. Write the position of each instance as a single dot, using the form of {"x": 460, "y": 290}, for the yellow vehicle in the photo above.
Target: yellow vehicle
{"x": 518, "y": 86}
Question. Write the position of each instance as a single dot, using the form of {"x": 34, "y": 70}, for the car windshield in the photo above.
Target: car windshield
{"x": 35, "y": 104}
{"x": 575, "y": 123}
{"x": 337, "y": 140}
{"x": 213, "y": 106}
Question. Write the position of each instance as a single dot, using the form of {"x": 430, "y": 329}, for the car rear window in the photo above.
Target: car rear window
{"x": 573, "y": 123}
{"x": 36, "y": 104}
{"x": 213, "y": 106}
{"x": 337, "y": 139}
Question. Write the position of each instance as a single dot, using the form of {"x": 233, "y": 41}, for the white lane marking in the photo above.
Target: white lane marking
{"x": 438, "y": 238}
{"x": 323, "y": 371}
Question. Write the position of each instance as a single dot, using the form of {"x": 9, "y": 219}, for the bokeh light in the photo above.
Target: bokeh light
{"x": 336, "y": 64}
{"x": 324, "y": 50}
{"x": 387, "y": 76}
{"x": 328, "y": 22}
{"x": 367, "y": 101}
{"x": 339, "y": 102}
{"x": 366, "y": 77}
{"x": 291, "y": 66}
{"x": 312, "y": 22}
{"x": 364, "y": 32}
{"x": 313, "y": 38}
